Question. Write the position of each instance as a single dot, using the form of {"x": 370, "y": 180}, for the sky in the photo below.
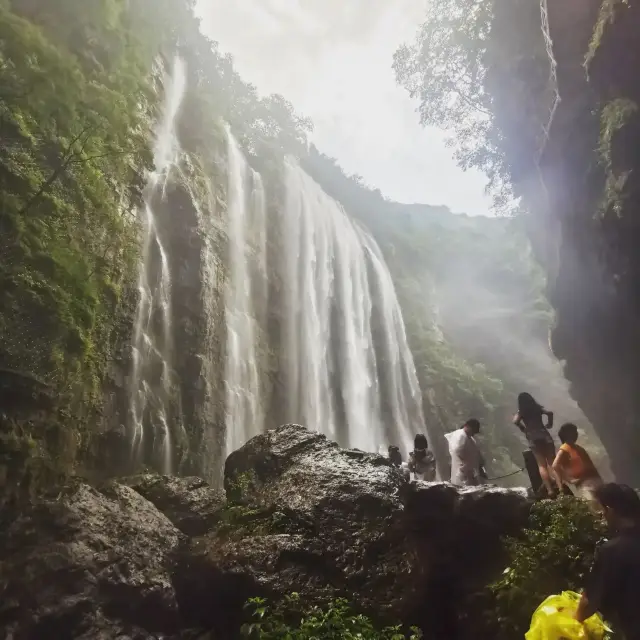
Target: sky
{"x": 332, "y": 60}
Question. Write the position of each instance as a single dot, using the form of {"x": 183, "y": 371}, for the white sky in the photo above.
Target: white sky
{"x": 332, "y": 60}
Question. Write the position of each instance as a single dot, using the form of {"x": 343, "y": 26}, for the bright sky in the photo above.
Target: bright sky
{"x": 332, "y": 60}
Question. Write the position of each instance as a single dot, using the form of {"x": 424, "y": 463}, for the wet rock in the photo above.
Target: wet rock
{"x": 302, "y": 515}
{"x": 306, "y": 516}
{"x": 88, "y": 564}
{"x": 189, "y": 503}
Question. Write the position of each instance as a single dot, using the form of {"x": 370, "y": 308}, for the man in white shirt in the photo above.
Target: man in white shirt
{"x": 467, "y": 465}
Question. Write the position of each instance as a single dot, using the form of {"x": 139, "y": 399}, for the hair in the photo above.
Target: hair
{"x": 527, "y": 405}
{"x": 620, "y": 498}
{"x": 420, "y": 442}
{"x": 568, "y": 433}
{"x": 474, "y": 423}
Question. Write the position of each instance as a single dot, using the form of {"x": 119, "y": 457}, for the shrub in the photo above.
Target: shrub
{"x": 552, "y": 555}
{"x": 289, "y": 620}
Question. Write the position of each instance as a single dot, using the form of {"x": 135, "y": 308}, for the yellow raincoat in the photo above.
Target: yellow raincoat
{"x": 554, "y": 620}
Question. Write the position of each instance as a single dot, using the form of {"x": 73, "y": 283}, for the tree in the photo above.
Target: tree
{"x": 476, "y": 68}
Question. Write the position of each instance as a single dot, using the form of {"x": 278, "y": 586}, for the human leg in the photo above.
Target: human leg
{"x": 541, "y": 452}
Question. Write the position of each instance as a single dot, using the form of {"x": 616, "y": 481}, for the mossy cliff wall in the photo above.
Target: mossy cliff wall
{"x": 588, "y": 229}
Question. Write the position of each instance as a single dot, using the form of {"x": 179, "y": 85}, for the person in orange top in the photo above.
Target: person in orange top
{"x": 574, "y": 466}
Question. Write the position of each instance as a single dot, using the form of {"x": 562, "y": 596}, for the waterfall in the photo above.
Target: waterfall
{"x": 345, "y": 365}
{"x": 151, "y": 376}
{"x": 246, "y": 291}
{"x": 349, "y": 368}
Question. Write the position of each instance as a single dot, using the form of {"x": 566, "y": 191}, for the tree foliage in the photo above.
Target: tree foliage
{"x": 291, "y": 620}
{"x": 553, "y": 554}
{"x": 479, "y": 70}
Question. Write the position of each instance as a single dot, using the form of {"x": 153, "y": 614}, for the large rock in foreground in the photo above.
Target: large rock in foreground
{"x": 309, "y": 517}
{"x": 88, "y": 564}
{"x": 155, "y": 557}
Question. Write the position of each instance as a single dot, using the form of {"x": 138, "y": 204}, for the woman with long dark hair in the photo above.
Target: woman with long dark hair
{"x": 530, "y": 420}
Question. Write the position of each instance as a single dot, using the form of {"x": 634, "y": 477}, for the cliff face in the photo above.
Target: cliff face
{"x": 591, "y": 226}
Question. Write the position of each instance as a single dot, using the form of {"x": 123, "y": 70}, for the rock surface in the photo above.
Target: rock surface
{"x": 88, "y": 564}
{"x": 302, "y": 515}
{"x": 338, "y": 522}
{"x": 189, "y": 503}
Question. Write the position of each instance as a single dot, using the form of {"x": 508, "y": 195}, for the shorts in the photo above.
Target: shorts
{"x": 543, "y": 447}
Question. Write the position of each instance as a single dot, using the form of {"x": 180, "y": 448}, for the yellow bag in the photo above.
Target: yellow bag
{"x": 554, "y": 620}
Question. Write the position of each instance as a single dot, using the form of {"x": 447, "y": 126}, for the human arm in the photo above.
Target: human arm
{"x": 549, "y": 415}
{"x": 517, "y": 420}
{"x": 482, "y": 471}
{"x": 600, "y": 584}
{"x": 585, "y": 608}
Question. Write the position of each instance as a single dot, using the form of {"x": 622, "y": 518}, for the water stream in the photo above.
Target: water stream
{"x": 344, "y": 359}
{"x": 152, "y": 347}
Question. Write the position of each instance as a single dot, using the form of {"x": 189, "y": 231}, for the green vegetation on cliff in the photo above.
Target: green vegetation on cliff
{"x": 553, "y": 554}
{"x": 80, "y": 94}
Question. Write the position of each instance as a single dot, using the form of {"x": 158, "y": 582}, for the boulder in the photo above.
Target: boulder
{"x": 189, "y": 503}
{"x": 309, "y": 517}
{"x": 163, "y": 557}
{"x": 88, "y": 564}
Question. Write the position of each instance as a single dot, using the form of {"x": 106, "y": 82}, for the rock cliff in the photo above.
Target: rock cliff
{"x": 589, "y": 167}
{"x": 155, "y": 556}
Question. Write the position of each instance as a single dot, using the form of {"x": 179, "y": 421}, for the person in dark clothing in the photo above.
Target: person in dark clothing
{"x": 395, "y": 457}
{"x": 529, "y": 419}
{"x": 613, "y": 588}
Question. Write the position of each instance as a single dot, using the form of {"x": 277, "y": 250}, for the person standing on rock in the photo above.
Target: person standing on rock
{"x": 529, "y": 419}
{"x": 395, "y": 457}
{"x": 613, "y": 587}
{"x": 467, "y": 464}
{"x": 422, "y": 462}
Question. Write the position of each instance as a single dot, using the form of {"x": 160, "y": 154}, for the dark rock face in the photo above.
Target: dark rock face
{"x": 338, "y": 522}
{"x": 189, "y": 503}
{"x": 589, "y": 165}
{"x": 88, "y": 564}
{"x": 302, "y": 515}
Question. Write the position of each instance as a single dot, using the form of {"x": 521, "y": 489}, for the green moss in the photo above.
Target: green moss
{"x": 606, "y": 17}
{"x": 239, "y": 521}
{"x": 238, "y": 486}
{"x": 614, "y": 117}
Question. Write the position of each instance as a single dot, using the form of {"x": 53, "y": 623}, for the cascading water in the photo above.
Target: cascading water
{"x": 246, "y": 291}
{"x": 150, "y": 381}
{"x": 344, "y": 358}
{"x": 343, "y": 327}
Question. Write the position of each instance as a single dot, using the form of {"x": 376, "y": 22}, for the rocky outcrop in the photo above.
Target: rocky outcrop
{"x": 189, "y": 503}
{"x": 330, "y": 522}
{"x": 165, "y": 557}
{"x": 87, "y": 564}
{"x": 589, "y": 165}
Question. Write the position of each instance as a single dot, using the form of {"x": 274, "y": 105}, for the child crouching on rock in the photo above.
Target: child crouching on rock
{"x": 574, "y": 466}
